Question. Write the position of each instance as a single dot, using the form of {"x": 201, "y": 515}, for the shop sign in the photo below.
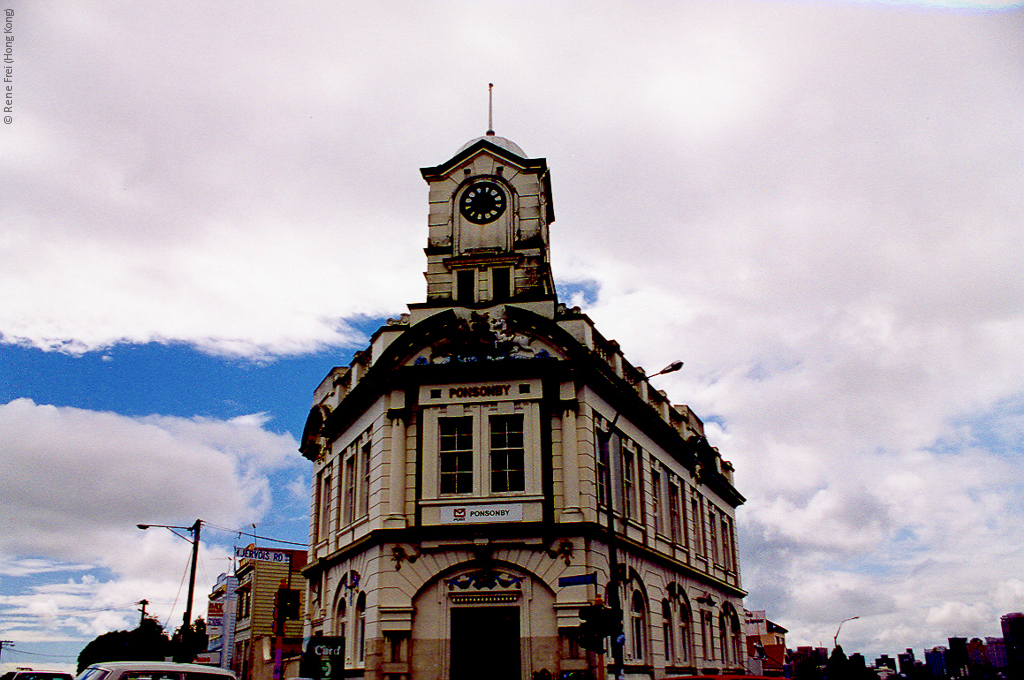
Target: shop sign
{"x": 477, "y": 514}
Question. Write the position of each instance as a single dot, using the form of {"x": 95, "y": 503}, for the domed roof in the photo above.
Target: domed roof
{"x": 506, "y": 144}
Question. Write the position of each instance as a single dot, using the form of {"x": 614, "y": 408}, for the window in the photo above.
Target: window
{"x": 698, "y": 527}
{"x": 707, "y": 648}
{"x": 244, "y": 603}
{"x": 673, "y": 513}
{"x": 340, "y": 625}
{"x": 684, "y": 633}
{"x": 723, "y": 638}
{"x": 713, "y": 529}
{"x": 656, "y": 500}
{"x": 667, "y": 631}
{"x": 501, "y": 284}
{"x": 364, "y": 487}
{"x": 350, "y": 488}
{"x": 456, "y": 449}
{"x": 727, "y": 544}
{"x": 602, "y": 468}
{"x": 638, "y": 627}
{"x": 324, "y": 502}
{"x": 465, "y": 281}
{"x": 361, "y": 628}
{"x": 507, "y": 454}
{"x": 628, "y": 482}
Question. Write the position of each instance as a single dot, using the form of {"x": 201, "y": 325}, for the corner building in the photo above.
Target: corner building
{"x": 465, "y": 462}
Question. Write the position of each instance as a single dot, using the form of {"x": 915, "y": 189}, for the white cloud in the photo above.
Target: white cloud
{"x": 75, "y": 485}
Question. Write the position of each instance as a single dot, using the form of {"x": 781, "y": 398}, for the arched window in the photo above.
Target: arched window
{"x": 638, "y": 627}
{"x": 723, "y": 638}
{"x": 668, "y": 632}
{"x": 685, "y": 634}
{"x": 735, "y": 637}
{"x": 361, "y": 628}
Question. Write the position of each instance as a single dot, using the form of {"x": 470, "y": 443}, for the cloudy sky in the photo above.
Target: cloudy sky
{"x": 817, "y": 206}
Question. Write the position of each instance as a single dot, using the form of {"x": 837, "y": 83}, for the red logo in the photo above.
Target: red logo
{"x": 459, "y": 514}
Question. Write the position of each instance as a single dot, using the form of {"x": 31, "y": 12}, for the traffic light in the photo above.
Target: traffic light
{"x": 597, "y": 623}
{"x": 591, "y": 629}
{"x": 289, "y": 603}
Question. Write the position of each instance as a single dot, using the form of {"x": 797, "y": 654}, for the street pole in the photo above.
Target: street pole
{"x": 194, "y": 529}
{"x": 192, "y": 574}
{"x": 614, "y": 599}
{"x": 835, "y": 639}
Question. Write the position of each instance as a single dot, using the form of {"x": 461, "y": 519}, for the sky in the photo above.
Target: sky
{"x": 817, "y": 206}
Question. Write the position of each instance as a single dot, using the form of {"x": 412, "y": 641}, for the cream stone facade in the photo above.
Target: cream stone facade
{"x": 466, "y": 459}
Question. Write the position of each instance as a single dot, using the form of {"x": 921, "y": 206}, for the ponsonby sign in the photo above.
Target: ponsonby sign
{"x": 478, "y": 514}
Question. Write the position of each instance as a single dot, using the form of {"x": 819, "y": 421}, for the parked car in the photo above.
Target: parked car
{"x": 35, "y": 675}
{"x": 153, "y": 670}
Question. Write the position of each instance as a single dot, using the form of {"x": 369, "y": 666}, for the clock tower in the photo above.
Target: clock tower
{"x": 490, "y": 209}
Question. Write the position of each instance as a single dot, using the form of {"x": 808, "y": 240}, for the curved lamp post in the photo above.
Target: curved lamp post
{"x": 835, "y": 639}
{"x": 194, "y": 530}
{"x": 614, "y": 601}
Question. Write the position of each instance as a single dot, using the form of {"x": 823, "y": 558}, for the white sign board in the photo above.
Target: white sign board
{"x": 262, "y": 555}
{"x": 476, "y": 514}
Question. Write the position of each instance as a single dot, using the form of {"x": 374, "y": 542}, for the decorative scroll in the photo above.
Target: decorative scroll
{"x": 484, "y": 580}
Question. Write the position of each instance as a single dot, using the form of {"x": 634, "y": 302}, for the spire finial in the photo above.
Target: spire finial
{"x": 490, "y": 109}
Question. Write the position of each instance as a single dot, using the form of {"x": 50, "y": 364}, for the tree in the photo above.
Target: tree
{"x": 838, "y": 667}
{"x": 148, "y": 642}
{"x": 189, "y": 641}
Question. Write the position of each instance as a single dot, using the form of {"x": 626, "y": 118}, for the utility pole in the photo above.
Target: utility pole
{"x": 194, "y": 530}
{"x": 192, "y": 577}
{"x": 143, "y": 610}
{"x": 8, "y": 643}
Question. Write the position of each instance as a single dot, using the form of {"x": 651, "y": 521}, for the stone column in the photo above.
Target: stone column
{"x": 398, "y": 416}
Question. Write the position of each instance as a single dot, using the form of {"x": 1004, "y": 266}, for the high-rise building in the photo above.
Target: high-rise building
{"x": 490, "y": 467}
{"x": 1013, "y": 639}
{"x": 936, "y": 660}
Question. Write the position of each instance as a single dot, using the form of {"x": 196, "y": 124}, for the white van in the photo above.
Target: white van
{"x": 153, "y": 670}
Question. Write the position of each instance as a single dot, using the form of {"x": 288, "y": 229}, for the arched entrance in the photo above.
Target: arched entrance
{"x": 484, "y": 621}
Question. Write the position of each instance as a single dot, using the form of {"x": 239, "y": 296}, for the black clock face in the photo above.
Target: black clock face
{"x": 482, "y": 202}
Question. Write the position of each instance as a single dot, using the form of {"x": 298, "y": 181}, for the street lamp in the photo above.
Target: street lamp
{"x": 835, "y": 639}
{"x": 614, "y": 601}
{"x": 194, "y": 530}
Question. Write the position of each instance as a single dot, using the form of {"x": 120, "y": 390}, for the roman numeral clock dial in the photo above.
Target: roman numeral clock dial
{"x": 482, "y": 202}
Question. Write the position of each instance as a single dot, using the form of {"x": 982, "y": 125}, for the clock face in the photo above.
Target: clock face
{"x": 482, "y": 202}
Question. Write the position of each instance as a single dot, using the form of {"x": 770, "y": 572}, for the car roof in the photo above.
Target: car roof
{"x": 159, "y": 666}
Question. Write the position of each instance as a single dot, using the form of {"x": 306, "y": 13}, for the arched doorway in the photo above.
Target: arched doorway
{"x": 484, "y": 621}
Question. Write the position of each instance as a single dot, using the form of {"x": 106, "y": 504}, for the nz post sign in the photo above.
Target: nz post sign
{"x": 475, "y": 514}
{"x": 262, "y": 555}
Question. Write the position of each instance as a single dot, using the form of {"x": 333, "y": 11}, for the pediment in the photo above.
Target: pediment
{"x": 477, "y": 336}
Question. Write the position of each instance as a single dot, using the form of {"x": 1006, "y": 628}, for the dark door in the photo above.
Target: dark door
{"x": 485, "y": 643}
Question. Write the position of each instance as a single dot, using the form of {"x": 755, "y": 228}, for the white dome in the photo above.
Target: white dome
{"x": 505, "y": 144}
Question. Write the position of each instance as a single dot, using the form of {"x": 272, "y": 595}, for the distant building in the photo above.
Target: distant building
{"x": 258, "y": 616}
{"x": 995, "y": 650}
{"x": 766, "y": 644}
{"x": 220, "y": 621}
{"x": 906, "y": 662}
{"x": 1013, "y": 639}
{"x": 936, "y": 660}
{"x": 491, "y": 464}
{"x": 886, "y": 661}
{"x": 956, "y": 657}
